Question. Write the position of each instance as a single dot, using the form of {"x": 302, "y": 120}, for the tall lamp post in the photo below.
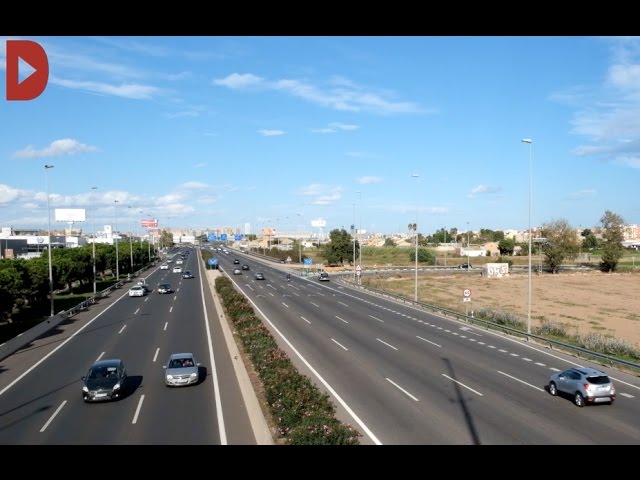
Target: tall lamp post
{"x": 46, "y": 174}
{"x": 115, "y": 239}
{"x": 360, "y": 224}
{"x": 354, "y": 242}
{"x": 131, "y": 246}
{"x": 93, "y": 218}
{"x": 445, "y": 246}
{"x": 467, "y": 245}
{"x": 529, "y": 141}
{"x": 415, "y": 228}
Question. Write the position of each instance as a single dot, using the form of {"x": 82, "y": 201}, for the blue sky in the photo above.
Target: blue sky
{"x": 212, "y": 132}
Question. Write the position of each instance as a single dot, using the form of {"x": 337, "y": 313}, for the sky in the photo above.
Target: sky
{"x": 279, "y": 131}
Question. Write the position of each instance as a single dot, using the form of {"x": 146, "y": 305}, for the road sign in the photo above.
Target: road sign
{"x": 466, "y": 299}
{"x": 358, "y": 268}
{"x": 466, "y": 292}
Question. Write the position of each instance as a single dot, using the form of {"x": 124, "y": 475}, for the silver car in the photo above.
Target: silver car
{"x": 584, "y": 385}
{"x": 181, "y": 370}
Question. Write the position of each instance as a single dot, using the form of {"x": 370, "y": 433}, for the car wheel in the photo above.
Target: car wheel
{"x": 578, "y": 399}
{"x": 553, "y": 390}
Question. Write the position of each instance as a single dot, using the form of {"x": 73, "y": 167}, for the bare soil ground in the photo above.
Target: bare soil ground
{"x": 605, "y": 303}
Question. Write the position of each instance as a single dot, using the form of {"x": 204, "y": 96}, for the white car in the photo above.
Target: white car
{"x": 136, "y": 291}
{"x": 177, "y": 269}
{"x": 164, "y": 266}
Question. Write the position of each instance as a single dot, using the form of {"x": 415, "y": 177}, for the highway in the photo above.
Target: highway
{"x": 404, "y": 376}
{"x": 40, "y": 388}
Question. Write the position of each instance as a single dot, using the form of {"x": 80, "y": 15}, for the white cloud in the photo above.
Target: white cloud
{"x": 335, "y": 127}
{"x": 127, "y": 90}
{"x": 179, "y": 76}
{"x": 321, "y": 194}
{"x": 8, "y": 194}
{"x": 340, "y": 95}
{"x": 361, "y": 155}
{"x": 238, "y": 80}
{"x": 183, "y": 114}
{"x": 323, "y": 130}
{"x": 367, "y": 180}
{"x": 484, "y": 189}
{"x": 194, "y": 185}
{"x": 65, "y": 146}
{"x": 271, "y": 133}
{"x": 581, "y": 194}
{"x": 200, "y": 165}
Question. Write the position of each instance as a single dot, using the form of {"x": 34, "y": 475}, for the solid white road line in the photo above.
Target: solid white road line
{"x": 387, "y": 344}
{"x": 155, "y": 357}
{"x": 341, "y": 346}
{"x": 44, "y": 427}
{"x": 138, "y": 408}
{"x": 462, "y": 385}
{"x": 521, "y": 381}
{"x": 341, "y": 319}
{"x": 401, "y": 389}
{"x": 429, "y": 341}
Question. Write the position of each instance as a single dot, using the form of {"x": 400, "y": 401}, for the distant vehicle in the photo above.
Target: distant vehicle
{"x": 259, "y": 276}
{"x": 245, "y": 267}
{"x": 105, "y": 380}
{"x": 143, "y": 283}
{"x": 177, "y": 269}
{"x": 237, "y": 271}
{"x": 179, "y": 261}
{"x": 323, "y": 277}
{"x": 164, "y": 288}
{"x": 164, "y": 266}
{"x": 181, "y": 370}
{"x": 236, "y": 261}
{"x": 465, "y": 266}
{"x": 187, "y": 274}
{"x": 584, "y": 385}
{"x": 136, "y": 291}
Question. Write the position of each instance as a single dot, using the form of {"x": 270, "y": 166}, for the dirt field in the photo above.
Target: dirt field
{"x": 608, "y": 304}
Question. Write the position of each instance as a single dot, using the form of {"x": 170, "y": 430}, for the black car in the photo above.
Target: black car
{"x": 245, "y": 267}
{"x": 465, "y": 266}
{"x": 323, "y": 277}
{"x": 105, "y": 380}
{"x": 164, "y": 288}
{"x": 259, "y": 276}
{"x": 236, "y": 261}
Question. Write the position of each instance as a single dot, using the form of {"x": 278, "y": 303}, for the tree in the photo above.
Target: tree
{"x": 612, "y": 249}
{"x": 424, "y": 256}
{"x": 561, "y": 243}
{"x": 506, "y": 246}
{"x": 388, "y": 242}
{"x": 340, "y": 247}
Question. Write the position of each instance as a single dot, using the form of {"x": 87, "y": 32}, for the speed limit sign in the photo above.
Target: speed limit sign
{"x": 466, "y": 292}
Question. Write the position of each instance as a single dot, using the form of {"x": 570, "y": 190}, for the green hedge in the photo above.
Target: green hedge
{"x": 303, "y": 414}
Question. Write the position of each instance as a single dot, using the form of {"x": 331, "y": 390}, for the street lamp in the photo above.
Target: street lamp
{"x": 115, "y": 239}
{"x": 529, "y": 141}
{"x": 131, "y": 247}
{"x": 468, "y": 266}
{"x": 360, "y": 224}
{"x": 354, "y": 242}
{"x": 445, "y": 246}
{"x": 415, "y": 228}
{"x": 46, "y": 174}
{"x": 93, "y": 218}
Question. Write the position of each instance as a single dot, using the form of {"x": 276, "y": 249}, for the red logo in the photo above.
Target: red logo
{"x": 34, "y": 55}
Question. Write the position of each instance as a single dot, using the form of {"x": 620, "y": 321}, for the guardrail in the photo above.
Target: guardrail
{"x": 13, "y": 345}
{"x": 489, "y": 325}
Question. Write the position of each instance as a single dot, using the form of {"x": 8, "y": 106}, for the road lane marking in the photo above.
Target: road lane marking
{"x": 285, "y": 305}
{"x": 341, "y": 346}
{"x": 462, "y": 384}
{"x": 342, "y": 303}
{"x": 627, "y": 395}
{"x": 527, "y": 359}
{"x": 514, "y": 354}
{"x": 540, "y": 364}
{"x": 249, "y": 287}
{"x": 491, "y": 346}
{"x": 412, "y": 397}
{"x": 341, "y": 319}
{"x": 448, "y": 331}
{"x": 429, "y": 341}
{"x": 502, "y": 350}
{"x": 136, "y": 312}
{"x": 481, "y": 343}
{"x": 175, "y": 297}
{"x": 376, "y": 318}
{"x": 165, "y": 325}
{"x": 521, "y": 381}
{"x": 271, "y": 293}
{"x": 387, "y": 344}
{"x": 315, "y": 304}
{"x": 306, "y": 320}
{"x": 554, "y": 369}
{"x": 100, "y": 356}
{"x": 147, "y": 298}
{"x": 138, "y": 408}
{"x": 44, "y": 427}
{"x": 155, "y": 357}
{"x": 122, "y": 329}
{"x": 170, "y": 309}
{"x": 296, "y": 294}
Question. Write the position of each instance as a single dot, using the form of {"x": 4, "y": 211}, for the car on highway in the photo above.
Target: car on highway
{"x": 245, "y": 267}
{"x": 164, "y": 266}
{"x": 180, "y": 370}
{"x": 105, "y": 380}
{"x": 137, "y": 291}
{"x": 187, "y": 274}
{"x": 584, "y": 385}
{"x": 259, "y": 276}
{"x": 237, "y": 271}
{"x": 323, "y": 277}
{"x": 164, "y": 288}
{"x": 236, "y": 262}
{"x": 177, "y": 269}
{"x": 465, "y": 266}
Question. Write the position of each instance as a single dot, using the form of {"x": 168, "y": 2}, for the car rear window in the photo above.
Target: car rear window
{"x": 599, "y": 380}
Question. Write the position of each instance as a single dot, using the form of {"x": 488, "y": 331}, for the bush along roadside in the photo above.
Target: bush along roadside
{"x": 303, "y": 414}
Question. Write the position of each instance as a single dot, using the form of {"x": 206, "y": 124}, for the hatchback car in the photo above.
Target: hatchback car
{"x": 584, "y": 385}
{"x": 177, "y": 269}
{"x": 164, "y": 266}
{"x": 137, "y": 291}
{"x": 105, "y": 380}
{"x": 187, "y": 274}
{"x": 237, "y": 271}
{"x": 259, "y": 276}
{"x": 323, "y": 277}
{"x": 181, "y": 370}
{"x": 236, "y": 261}
{"x": 164, "y": 288}
{"x": 245, "y": 267}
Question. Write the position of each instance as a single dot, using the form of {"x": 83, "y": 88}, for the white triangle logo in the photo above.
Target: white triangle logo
{"x": 25, "y": 70}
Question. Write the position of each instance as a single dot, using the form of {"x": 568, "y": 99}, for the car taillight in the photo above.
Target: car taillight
{"x": 587, "y": 386}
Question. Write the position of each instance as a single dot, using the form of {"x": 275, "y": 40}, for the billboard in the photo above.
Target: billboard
{"x": 268, "y": 232}
{"x": 150, "y": 223}
{"x": 70, "y": 215}
{"x": 319, "y": 223}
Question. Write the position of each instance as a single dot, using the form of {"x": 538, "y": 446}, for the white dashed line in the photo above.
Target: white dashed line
{"x": 376, "y": 318}
{"x": 315, "y": 304}
{"x": 155, "y": 357}
{"x": 472, "y": 340}
{"x": 502, "y": 350}
{"x": 342, "y": 319}
{"x": 285, "y": 305}
{"x": 387, "y": 344}
{"x": 412, "y": 397}
{"x": 514, "y": 354}
{"x": 138, "y": 408}
{"x": 165, "y": 325}
{"x": 175, "y": 298}
{"x": 341, "y": 346}
{"x": 122, "y": 329}
{"x": 481, "y": 343}
{"x": 100, "y": 356}
{"x": 136, "y": 312}
{"x": 521, "y": 381}
{"x": 429, "y": 341}
{"x": 341, "y": 303}
{"x": 527, "y": 359}
{"x": 271, "y": 293}
{"x": 44, "y": 427}
{"x": 554, "y": 369}
{"x": 627, "y": 395}
{"x": 540, "y": 364}
{"x": 462, "y": 385}
{"x": 306, "y": 320}
{"x": 491, "y": 346}
{"x": 448, "y": 331}
{"x": 170, "y": 309}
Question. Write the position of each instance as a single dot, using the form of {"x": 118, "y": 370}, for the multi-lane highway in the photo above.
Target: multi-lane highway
{"x": 40, "y": 387}
{"x": 403, "y": 376}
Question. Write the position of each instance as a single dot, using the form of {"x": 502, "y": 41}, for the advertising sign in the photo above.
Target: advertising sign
{"x": 150, "y": 223}
{"x": 70, "y": 215}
